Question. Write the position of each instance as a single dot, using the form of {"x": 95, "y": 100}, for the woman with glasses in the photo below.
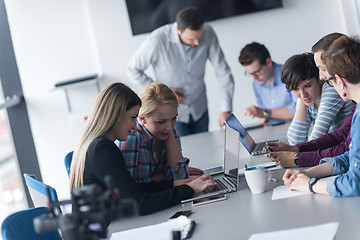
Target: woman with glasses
{"x": 319, "y": 105}
{"x": 328, "y": 145}
{"x": 342, "y": 63}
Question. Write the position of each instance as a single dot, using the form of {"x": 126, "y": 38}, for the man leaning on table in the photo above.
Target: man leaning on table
{"x": 178, "y": 53}
{"x": 274, "y": 103}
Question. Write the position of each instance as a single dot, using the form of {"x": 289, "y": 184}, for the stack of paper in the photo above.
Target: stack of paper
{"x": 162, "y": 231}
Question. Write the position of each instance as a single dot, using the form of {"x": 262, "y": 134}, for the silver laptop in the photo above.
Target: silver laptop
{"x": 228, "y": 179}
{"x": 250, "y": 145}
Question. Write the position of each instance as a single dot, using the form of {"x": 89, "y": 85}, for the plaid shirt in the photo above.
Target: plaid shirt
{"x": 140, "y": 157}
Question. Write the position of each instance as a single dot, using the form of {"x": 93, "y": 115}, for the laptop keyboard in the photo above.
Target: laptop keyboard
{"x": 233, "y": 181}
{"x": 219, "y": 186}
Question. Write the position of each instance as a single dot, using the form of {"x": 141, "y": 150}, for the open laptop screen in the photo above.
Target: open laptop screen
{"x": 245, "y": 138}
{"x": 231, "y": 154}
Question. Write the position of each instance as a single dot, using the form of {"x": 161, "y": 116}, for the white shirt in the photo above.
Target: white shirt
{"x": 180, "y": 66}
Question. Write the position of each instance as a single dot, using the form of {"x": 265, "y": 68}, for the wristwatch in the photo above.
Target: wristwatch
{"x": 296, "y": 160}
{"x": 312, "y": 181}
{"x": 267, "y": 113}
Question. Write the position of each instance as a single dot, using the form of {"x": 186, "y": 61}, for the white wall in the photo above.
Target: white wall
{"x": 53, "y": 41}
{"x": 59, "y": 40}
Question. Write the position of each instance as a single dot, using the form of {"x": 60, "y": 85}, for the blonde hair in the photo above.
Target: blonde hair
{"x": 108, "y": 111}
{"x": 155, "y": 95}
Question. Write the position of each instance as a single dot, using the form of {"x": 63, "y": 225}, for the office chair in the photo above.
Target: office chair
{"x": 38, "y": 191}
{"x": 20, "y": 225}
{"x": 68, "y": 159}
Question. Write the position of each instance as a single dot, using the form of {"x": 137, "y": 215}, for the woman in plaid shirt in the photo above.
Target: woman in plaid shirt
{"x": 96, "y": 156}
{"x": 152, "y": 151}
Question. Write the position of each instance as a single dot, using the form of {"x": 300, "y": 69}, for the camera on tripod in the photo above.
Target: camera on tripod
{"x": 93, "y": 208}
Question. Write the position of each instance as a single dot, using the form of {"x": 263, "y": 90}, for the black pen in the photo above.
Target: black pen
{"x": 190, "y": 232}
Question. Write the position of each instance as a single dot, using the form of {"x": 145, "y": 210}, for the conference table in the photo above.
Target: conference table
{"x": 243, "y": 213}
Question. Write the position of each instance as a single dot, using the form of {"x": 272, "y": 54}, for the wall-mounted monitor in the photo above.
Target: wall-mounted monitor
{"x": 147, "y": 15}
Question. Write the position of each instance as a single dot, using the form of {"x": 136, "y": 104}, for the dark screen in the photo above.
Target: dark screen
{"x": 147, "y": 15}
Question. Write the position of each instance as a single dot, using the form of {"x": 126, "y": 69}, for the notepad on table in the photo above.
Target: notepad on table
{"x": 285, "y": 192}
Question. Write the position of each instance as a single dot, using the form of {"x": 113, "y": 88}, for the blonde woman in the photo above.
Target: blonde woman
{"x": 113, "y": 118}
{"x": 153, "y": 150}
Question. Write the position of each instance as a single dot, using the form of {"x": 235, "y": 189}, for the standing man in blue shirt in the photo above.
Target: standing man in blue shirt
{"x": 275, "y": 103}
{"x": 178, "y": 53}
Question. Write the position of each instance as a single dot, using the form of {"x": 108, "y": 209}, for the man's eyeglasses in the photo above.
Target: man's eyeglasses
{"x": 256, "y": 73}
{"x": 328, "y": 81}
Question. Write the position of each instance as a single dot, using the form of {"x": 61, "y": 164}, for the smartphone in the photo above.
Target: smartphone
{"x": 268, "y": 148}
{"x": 251, "y": 127}
{"x": 181, "y": 213}
{"x": 277, "y": 123}
{"x": 209, "y": 200}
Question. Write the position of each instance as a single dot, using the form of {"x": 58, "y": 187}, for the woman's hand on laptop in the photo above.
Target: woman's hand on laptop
{"x": 184, "y": 181}
{"x": 280, "y": 146}
{"x": 195, "y": 171}
{"x": 200, "y": 183}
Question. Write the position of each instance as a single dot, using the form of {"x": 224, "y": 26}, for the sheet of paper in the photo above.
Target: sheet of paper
{"x": 325, "y": 231}
{"x": 161, "y": 231}
{"x": 285, "y": 192}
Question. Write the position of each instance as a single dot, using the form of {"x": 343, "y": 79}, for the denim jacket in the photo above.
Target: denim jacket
{"x": 347, "y": 165}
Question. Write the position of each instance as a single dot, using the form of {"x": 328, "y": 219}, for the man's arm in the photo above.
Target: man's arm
{"x": 286, "y": 112}
{"x": 307, "y": 159}
{"x": 280, "y": 113}
{"x": 223, "y": 117}
{"x": 328, "y": 145}
{"x": 301, "y": 181}
{"x": 141, "y": 60}
{"x": 222, "y": 71}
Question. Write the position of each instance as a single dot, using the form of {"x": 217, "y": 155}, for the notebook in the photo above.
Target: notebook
{"x": 228, "y": 179}
{"x": 250, "y": 145}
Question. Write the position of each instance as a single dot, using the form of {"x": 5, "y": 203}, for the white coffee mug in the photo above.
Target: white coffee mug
{"x": 256, "y": 178}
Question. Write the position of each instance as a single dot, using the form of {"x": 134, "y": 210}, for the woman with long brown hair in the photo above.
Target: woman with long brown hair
{"x": 113, "y": 118}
